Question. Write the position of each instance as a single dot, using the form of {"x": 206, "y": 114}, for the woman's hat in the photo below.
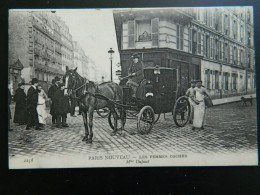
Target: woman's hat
{"x": 34, "y": 80}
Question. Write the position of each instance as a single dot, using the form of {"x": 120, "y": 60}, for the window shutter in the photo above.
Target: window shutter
{"x": 155, "y": 31}
{"x": 131, "y": 34}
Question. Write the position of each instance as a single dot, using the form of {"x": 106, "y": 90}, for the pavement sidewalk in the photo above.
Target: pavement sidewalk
{"x": 231, "y": 99}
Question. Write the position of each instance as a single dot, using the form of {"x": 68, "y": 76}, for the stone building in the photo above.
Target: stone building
{"x": 211, "y": 44}
{"x": 40, "y": 41}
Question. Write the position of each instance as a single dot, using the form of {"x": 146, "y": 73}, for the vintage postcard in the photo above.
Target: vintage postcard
{"x": 132, "y": 87}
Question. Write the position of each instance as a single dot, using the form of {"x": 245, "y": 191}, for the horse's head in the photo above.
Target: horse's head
{"x": 70, "y": 80}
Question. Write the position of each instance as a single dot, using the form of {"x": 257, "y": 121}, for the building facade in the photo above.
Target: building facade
{"x": 211, "y": 44}
{"x": 85, "y": 66}
{"x": 37, "y": 40}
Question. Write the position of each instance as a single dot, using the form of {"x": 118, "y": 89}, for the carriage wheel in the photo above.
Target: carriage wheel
{"x": 181, "y": 111}
{"x": 103, "y": 112}
{"x": 111, "y": 119}
{"x": 157, "y": 116}
{"x": 145, "y": 120}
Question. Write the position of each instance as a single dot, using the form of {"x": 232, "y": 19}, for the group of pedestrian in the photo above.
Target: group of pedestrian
{"x": 30, "y": 108}
{"x": 60, "y": 105}
{"x": 197, "y": 94}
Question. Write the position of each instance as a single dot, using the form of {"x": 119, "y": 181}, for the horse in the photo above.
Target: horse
{"x": 86, "y": 94}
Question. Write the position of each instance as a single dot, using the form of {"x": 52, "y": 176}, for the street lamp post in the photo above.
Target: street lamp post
{"x": 111, "y": 51}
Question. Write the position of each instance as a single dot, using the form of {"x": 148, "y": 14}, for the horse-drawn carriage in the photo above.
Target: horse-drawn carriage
{"x": 157, "y": 94}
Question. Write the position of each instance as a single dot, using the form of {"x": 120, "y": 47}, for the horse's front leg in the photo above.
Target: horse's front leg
{"x": 90, "y": 115}
{"x": 85, "y": 119}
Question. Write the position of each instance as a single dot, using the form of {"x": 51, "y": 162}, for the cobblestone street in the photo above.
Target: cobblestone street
{"x": 229, "y": 128}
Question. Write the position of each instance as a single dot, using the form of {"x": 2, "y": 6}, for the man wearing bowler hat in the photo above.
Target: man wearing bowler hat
{"x": 51, "y": 93}
{"x": 32, "y": 100}
{"x": 135, "y": 74}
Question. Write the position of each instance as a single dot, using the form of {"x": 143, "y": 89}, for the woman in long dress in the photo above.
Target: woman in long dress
{"x": 199, "y": 106}
{"x": 41, "y": 107}
{"x": 20, "y": 113}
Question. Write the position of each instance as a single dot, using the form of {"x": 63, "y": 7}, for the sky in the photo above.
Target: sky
{"x": 94, "y": 30}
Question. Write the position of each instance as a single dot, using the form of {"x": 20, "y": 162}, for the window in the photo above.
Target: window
{"x": 216, "y": 48}
{"x": 220, "y": 50}
{"x": 211, "y": 48}
{"x": 207, "y": 78}
{"x": 190, "y": 38}
{"x": 216, "y": 19}
{"x": 235, "y": 29}
{"x": 155, "y": 31}
{"x": 207, "y": 46}
{"x": 217, "y": 79}
{"x": 199, "y": 43}
{"x": 235, "y": 55}
{"x": 226, "y": 77}
{"x": 241, "y": 57}
{"x": 226, "y": 53}
{"x": 179, "y": 37}
{"x": 143, "y": 30}
{"x": 232, "y": 54}
{"x": 131, "y": 34}
{"x": 234, "y": 81}
{"x": 242, "y": 33}
{"x": 194, "y": 41}
{"x": 226, "y": 25}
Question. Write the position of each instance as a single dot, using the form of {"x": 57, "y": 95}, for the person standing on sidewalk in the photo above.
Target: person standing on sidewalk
{"x": 199, "y": 106}
{"x": 20, "y": 113}
{"x": 32, "y": 101}
{"x": 190, "y": 94}
{"x": 41, "y": 107}
{"x": 51, "y": 93}
{"x": 61, "y": 106}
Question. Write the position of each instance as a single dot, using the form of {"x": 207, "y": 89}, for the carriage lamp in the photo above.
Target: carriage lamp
{"x": 157, "y": 72}
{"x": 111, "y": 51}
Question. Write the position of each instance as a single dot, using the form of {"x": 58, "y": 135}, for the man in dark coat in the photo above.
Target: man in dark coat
{"x": 51, "y": 93}
{"x": 32, "y": 100}
{"x": 135, "y": 73}
{"x": 61, "y": 106}
{"x": 20, "y": 114}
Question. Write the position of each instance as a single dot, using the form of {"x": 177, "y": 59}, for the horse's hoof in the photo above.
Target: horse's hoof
{"x": 113, "y": 133}
{"x": 122, "y": 134}
{"x": 84, "y": 139}
{"x": 131, "y": 133}
{"x": 89, "y": 141}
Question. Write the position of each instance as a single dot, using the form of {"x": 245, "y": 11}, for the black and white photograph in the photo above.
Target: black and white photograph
{"x": 131, "y": 87}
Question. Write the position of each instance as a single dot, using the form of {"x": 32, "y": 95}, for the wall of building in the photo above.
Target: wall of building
{"x": 18, "y": 43}
{"x": 35, "y": 38}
